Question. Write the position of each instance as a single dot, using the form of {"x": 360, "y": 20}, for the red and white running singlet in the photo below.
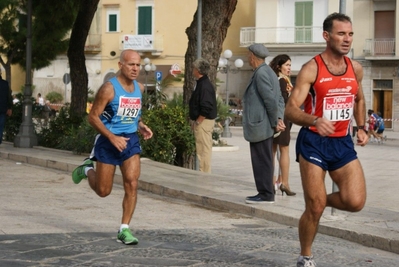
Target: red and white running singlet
{"x": 333, "y": 97}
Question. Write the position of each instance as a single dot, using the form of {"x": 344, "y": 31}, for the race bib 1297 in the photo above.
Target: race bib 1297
{"x": 129, "y": 106}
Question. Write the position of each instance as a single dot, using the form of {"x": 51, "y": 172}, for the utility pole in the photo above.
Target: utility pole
{"x": 26, "y": 136}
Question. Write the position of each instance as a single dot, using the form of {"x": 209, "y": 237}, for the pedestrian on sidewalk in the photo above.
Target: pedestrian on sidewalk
{"x": 116, "y": 115}
{"x": 329, "y": 86}
{"x": 203, "y": 111}
{"x": 371, "y": 121}
{"x": 263, "y": 112}
{"x": 380, "y": 128}
{"x": 281, "y": 65}
{"x": 5, "y": 104}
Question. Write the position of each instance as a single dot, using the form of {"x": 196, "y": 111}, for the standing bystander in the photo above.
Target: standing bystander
{"x": 263, "y": 112}
{"x": 5, "y": 104}
{"x": 203, "y": 111}
{"x": 116, "y": 115}
{"x": 15, "y": 99}
{"x": 380, "y": 128}
{"x": 281, "y": 65}
{"x": 324, "y": 142}
{"x": 40, "y": 99}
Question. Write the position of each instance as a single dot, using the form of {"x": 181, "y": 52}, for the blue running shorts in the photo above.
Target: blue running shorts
{"x": 330, "y": 153}
{"x": 105, "y": 152}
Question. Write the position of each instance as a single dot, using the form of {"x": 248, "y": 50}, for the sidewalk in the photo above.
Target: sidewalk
{"x": 377, "y": 225}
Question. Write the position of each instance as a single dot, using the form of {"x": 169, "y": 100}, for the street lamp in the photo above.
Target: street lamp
{"x": 26, "y": 136}
{"x": 147, "y": 68}
{"x": 225, "y": 67}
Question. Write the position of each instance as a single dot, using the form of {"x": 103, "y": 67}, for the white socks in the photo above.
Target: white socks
{"x": 87, "y": 169}
{"x": 123, "y": 226}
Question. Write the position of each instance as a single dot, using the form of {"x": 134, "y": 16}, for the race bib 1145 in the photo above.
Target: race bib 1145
{"x": 338, "y": 108}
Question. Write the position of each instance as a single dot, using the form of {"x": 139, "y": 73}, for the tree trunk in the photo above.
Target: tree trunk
{"x": 216, "y": 16}
{"x": 76, "y": 57}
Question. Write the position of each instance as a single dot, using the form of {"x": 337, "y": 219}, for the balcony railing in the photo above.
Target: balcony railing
{"x": 281, "y": 35}
{"x": 143, "y": 43}
{"x": 93, "y": 43}
{"x": 379, "y": 47}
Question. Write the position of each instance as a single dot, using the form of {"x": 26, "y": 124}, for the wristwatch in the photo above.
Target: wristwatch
{"x": 361, "y": 127}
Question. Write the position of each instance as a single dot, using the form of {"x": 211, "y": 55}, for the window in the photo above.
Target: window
{"x": 383, "y": 84}
{"x": 303, "y": 22}
{"x": 113, "y": 20}
{"x": 144, "y": 20}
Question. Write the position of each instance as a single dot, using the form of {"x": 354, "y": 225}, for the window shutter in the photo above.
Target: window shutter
{"x": 112, "y": 27}
{"x": 145, "y": 20}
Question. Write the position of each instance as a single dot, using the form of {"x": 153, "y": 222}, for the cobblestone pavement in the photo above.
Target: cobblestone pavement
{"x": 46, "y": 220}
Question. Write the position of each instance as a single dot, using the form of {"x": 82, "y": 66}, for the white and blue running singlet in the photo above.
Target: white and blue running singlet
{"x": 122, "y": 114}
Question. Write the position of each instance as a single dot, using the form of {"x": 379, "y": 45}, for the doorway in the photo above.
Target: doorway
{"x": 382, "y": 102}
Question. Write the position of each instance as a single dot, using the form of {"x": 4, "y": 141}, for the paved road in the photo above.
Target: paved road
{"x": 46, "y": 220}
{"x": 379, "y": 163}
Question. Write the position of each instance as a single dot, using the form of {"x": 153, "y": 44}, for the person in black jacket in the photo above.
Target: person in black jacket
{"x": 5, "y": 104}
{"x": 203, "y": 111}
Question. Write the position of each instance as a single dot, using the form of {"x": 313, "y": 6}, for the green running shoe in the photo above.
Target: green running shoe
{"x": 126, "y": 237}
{"x": 78, "y": 174}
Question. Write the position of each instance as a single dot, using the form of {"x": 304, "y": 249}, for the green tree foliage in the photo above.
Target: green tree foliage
{"x": 54, "y": 97}
{"x": 51, "y": 23}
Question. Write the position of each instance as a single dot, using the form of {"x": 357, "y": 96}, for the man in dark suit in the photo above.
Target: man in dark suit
{"x": 5, "y": 104}
{"x": 263, "y": 111}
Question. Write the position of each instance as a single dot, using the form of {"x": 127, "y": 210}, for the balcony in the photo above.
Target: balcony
{"x": 93, "y": 43}
{"x": 306, "y": 38}
{"x": 143, "y": 43}
{"x": 379, "y": 48}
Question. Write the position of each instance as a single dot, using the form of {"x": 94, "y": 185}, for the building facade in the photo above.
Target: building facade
{"x": 294, "y": 27}
{"x": 155, "y": 28}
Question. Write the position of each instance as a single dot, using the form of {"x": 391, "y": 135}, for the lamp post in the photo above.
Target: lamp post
{"x": 26, "y": 136}
{"x": 147, "y": 68}
{"x": 225, "y": 67}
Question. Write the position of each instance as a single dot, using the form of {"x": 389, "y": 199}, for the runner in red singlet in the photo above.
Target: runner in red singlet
{"x": 330, "y": 88}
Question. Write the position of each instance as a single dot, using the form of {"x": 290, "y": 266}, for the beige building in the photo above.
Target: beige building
{"x": 155, "y": 28}
{"x": 295, "y": 27}
{"x": 376, "y": 25}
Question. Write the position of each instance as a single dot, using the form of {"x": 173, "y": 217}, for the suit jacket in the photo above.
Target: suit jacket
{"x": 263, "y": 105}
{"x": 5, "y": 96}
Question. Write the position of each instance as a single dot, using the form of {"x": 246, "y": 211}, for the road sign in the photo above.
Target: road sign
{"x": 66, "y": 79}
{"x": 158, "y": 76}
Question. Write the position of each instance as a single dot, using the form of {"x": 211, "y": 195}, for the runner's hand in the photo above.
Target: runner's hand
{"x": 324, "y": 127}
{"x": 119, "y": 142}
{"x": 362, "y": 138}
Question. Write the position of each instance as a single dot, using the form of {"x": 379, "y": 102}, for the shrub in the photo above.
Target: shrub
{"x": 57, "y": 128}
{"x": 65, "y": 133}
{"x": 13, "y": 123}
{"x": 54, "y": 97}
{"x": 79, "y": 139}
{"x": 173, "y": 141}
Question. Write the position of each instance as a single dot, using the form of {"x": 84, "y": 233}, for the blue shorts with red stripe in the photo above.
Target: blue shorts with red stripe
{"x": 330, "y": 153}
{"x": 105, "y": 152}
